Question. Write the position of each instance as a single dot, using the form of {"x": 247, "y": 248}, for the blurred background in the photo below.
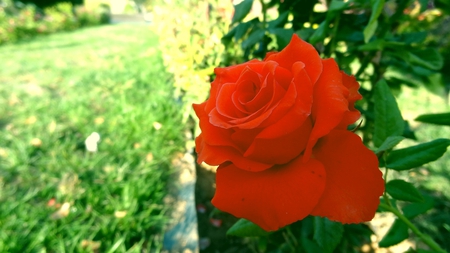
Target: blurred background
{"x": 96, "y": 96}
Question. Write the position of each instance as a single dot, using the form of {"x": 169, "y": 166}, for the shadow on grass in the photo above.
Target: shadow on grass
{"x": 4, "y": 122}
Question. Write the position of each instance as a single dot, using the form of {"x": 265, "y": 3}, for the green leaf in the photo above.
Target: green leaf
{"x": 319, "y": 33}
{"x": 283, "y": 36}
{"x": 436, "y": 118}
{"x": 402, "y": 190}
{"x": 380, "y": 44}
{"x": 338, "y": 5}
{"x": 241, "y": 10}
{"x": 388, "y": 119}
{"x": 254, "y": 38}
{"x": 369, "y": 31}
{"x": 374, "y": 45}
{"x": 242, "y": 29}
{"x": 280, "y": 21}
{"x": 414, "y": 209}
{"x": 415, "y": 156}
{"x": 389, "y": 143}
{"x": 327, "y": 233}
{"x": 424, "y": 251}
{"x": 413, "y": 37}
{"x": 305, "y": 33}
{"x": 429, "y": 58}
{"x": 396, "y": 234}
{"x": 309, "y": 246}
{"x": 402, "y": 75}
{"x": 383, "y": 201}
{"x": 226, "y": 39}
{"x": 434, "y": 83}
{"x": 245, "y": 228}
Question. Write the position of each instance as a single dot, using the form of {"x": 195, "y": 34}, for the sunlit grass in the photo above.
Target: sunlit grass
{"x": 57, "y": 90}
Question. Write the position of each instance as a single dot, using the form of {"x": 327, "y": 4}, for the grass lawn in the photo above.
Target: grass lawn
{"x": 57, "y": 90}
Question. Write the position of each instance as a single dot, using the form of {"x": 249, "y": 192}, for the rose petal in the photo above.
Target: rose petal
{"x": 244, "y": 138}
{"x": 352, "y": 115}
{"x": 269, "y": 93}
{"x": 272, "y": 198}
{"x": 282, "y": 149}
{"x": 283, "y": 77}
{"x": 246, "y": 90}
{"x": 212, "y": 134}
{"x": 229, "y": 75}
{"x": 280, "y": 107}
{"x": 217, "y": 145}
{"x": 354, "y": 182}
{"x": 247, "y": 103}
{"x": 217, "y": 155}
{"x": 299, "y": 92}
{"x": 225, "y": 108}
{"x": 330, "y": 103}
{"x": 299, "y": 51}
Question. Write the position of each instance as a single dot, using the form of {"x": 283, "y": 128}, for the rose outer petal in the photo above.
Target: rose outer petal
{"x": 214, "y": 135}
{"x": 272, "y": 198}
{"x": 299, "y": 51}
{"x": 354, "y": 182}
{"x": 217, "y": 155}
{"x": 352, "y": 115}
{"x": 215, "y": 145}
{"x": 330, "y": 103}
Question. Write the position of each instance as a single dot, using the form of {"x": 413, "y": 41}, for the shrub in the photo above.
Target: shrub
{"x": 23, "y": 21}
{"x": 190, "y": 32}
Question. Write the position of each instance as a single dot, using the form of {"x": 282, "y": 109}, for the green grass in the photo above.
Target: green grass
{"x": 57, "y": 90}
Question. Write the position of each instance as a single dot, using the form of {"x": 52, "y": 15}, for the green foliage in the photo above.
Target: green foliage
{"x": 375, "y": 34}
{"x": 241, "y": 10}
{"x": 388, "y": 118}
{"x": 55, "y": 195}
{"x": 397, "y": 233}
{"x": 414, "y": 209}
{"x": 369, "y": 30}
{"x": 389, "y": 143}
{"x": 436, "y": 118}
{"x": 402, "y": 190}
{"x": 315, "y": 234}
{"x": 415, "y": 156}
{"x": 245, "y": 228}
{"x": 327, "y": 234}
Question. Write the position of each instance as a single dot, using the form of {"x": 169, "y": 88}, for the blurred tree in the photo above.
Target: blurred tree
{"x": 47, "y": 3}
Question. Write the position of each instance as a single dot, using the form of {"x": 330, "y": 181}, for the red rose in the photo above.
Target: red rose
{"x": 278, "y": 130}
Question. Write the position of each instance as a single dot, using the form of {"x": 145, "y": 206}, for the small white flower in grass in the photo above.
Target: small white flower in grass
{"x": 92, "y": 141}
{"x": 120, "y": 214}
{"x": 3, "y": 153}
{"x": 157, "y": 125}
{"x": 36, "y": 142}
{"x": 92, "y": 245}
{"x": 62, "y": 212}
